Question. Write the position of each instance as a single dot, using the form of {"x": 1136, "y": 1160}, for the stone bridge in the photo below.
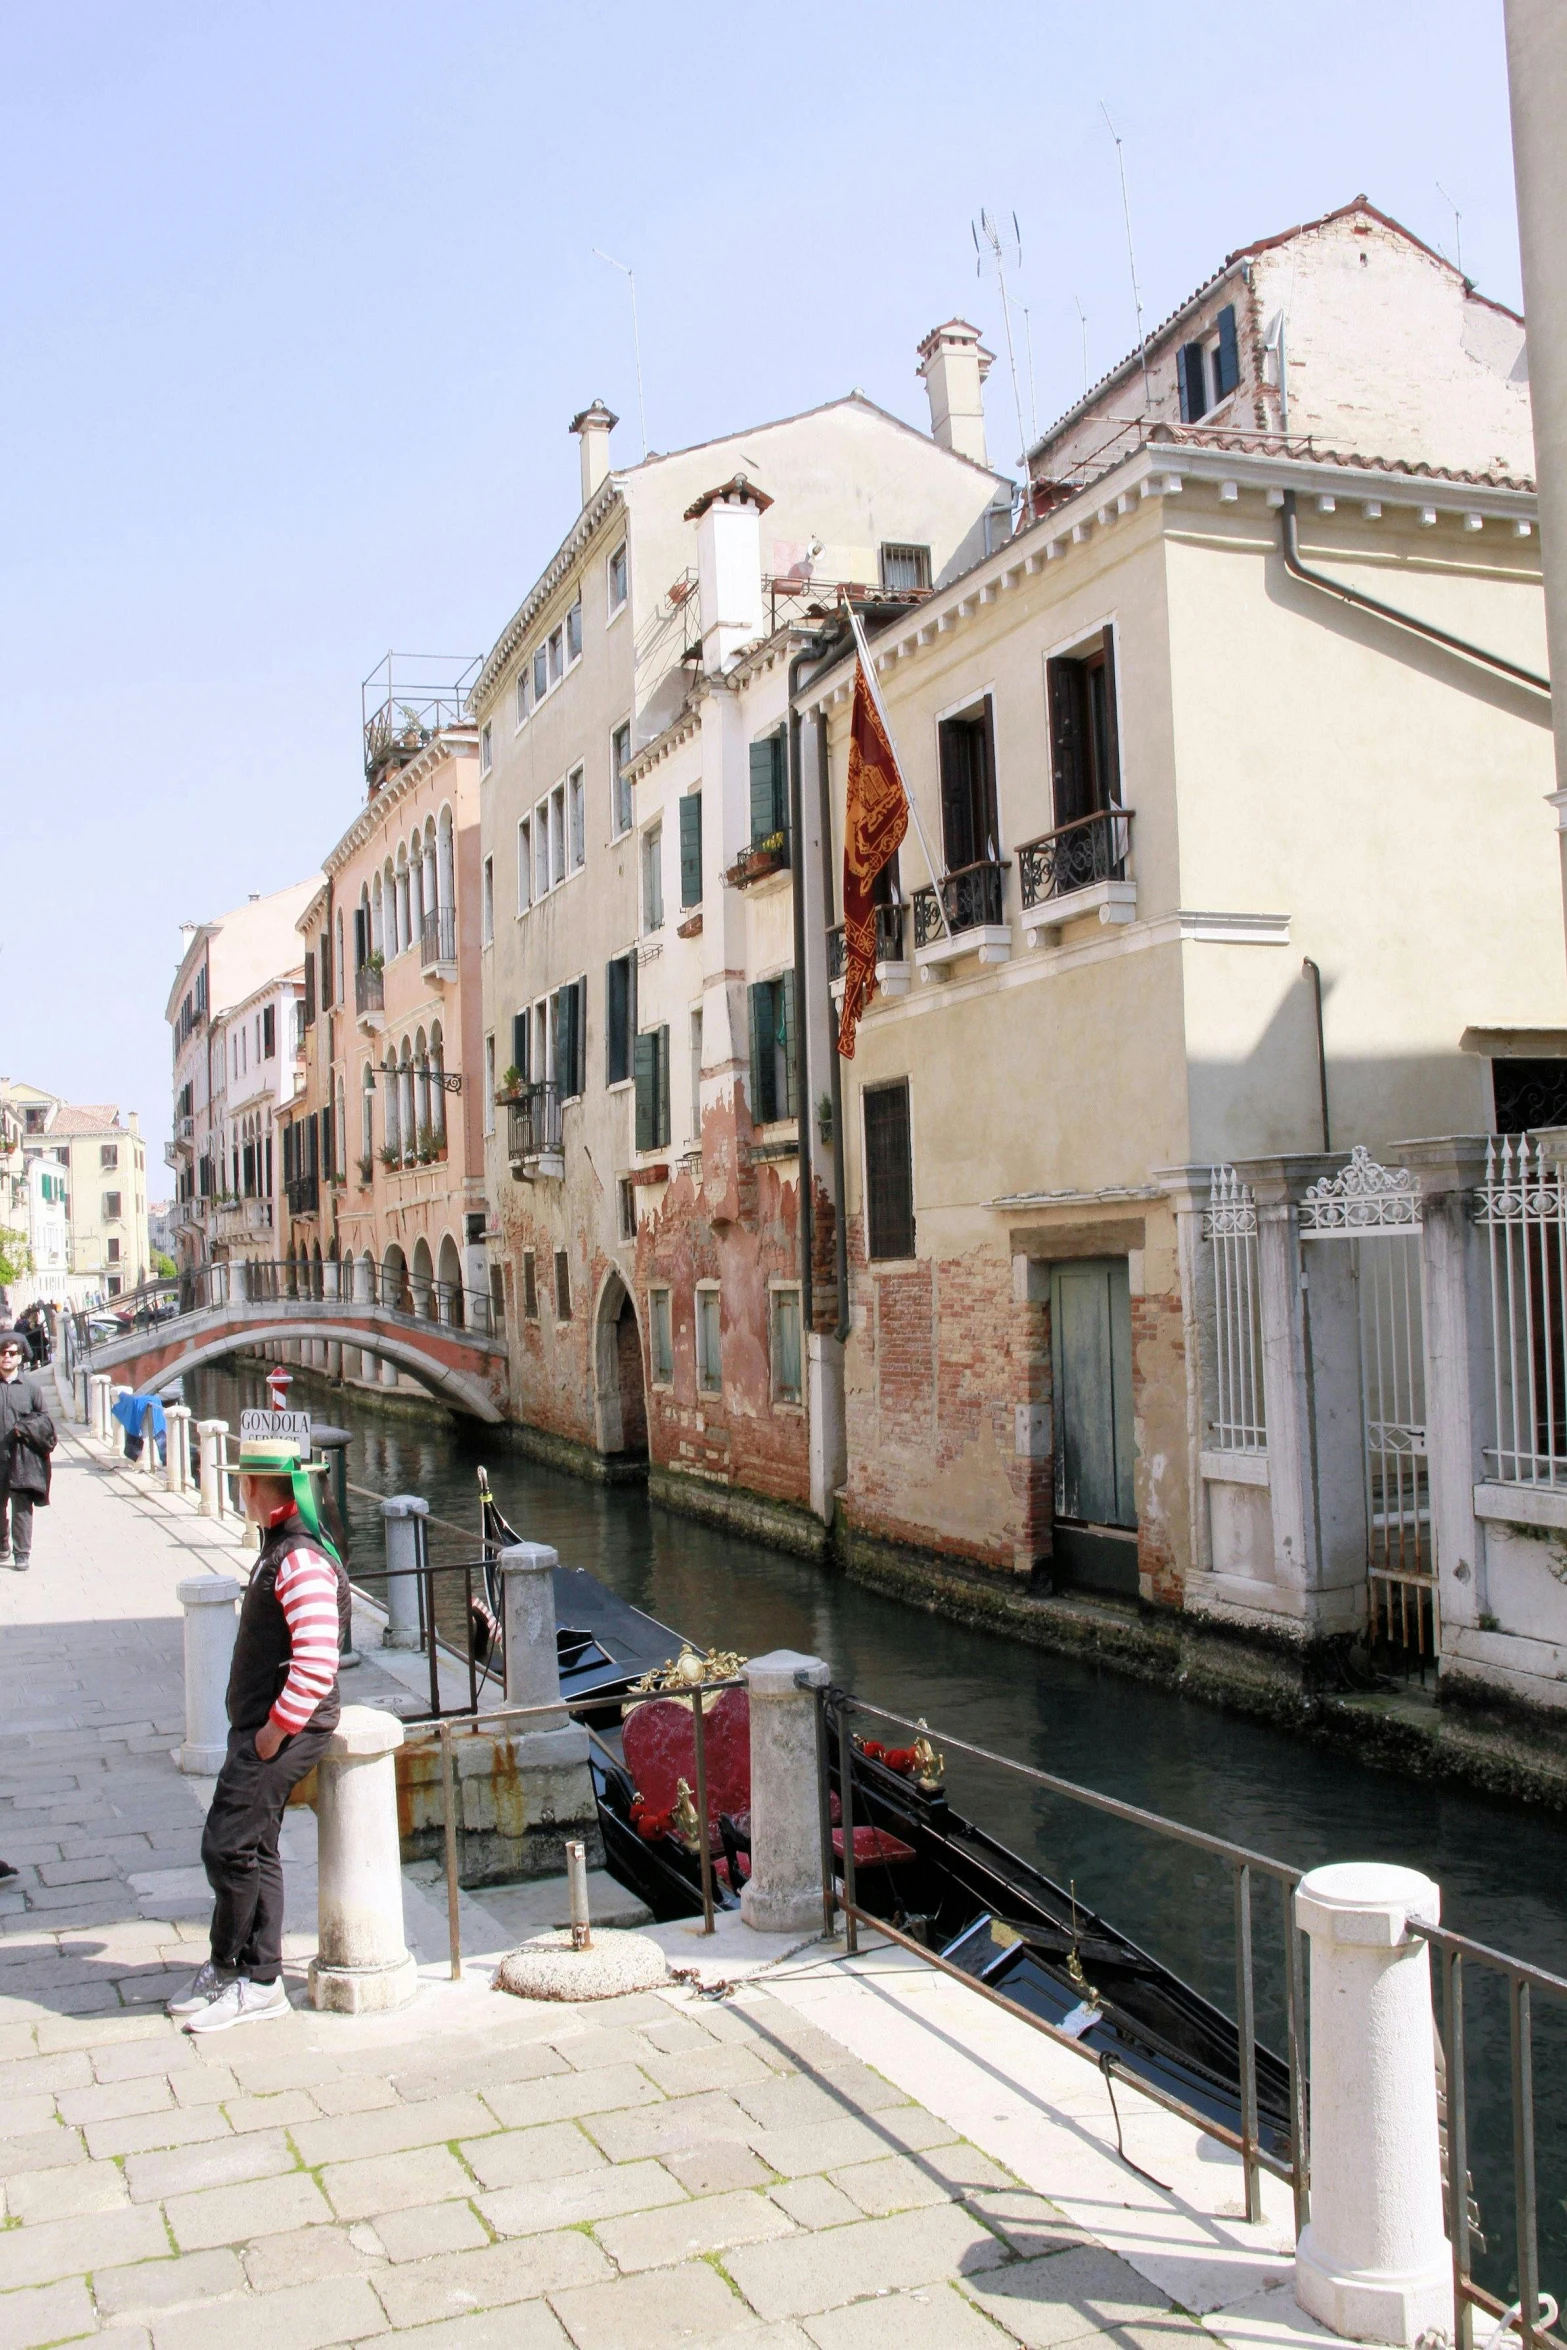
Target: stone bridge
{"x": 463, "y": 1365}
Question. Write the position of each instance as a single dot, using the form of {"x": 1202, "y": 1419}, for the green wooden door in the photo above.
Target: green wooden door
{"x": 1091, "y": 1372}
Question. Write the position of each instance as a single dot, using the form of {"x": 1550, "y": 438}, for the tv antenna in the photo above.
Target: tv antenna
{"x": 1033, "y": 404}
{"x": 1458, "y": 227}
{"x": 630, "y": 277}
{"x": 987, "y": 237}
{"x": 1082, "y": 320}
{"x": 1131, "y": 257}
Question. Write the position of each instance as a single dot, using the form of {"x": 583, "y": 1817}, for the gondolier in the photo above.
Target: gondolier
{"x": 283, "y": 1707}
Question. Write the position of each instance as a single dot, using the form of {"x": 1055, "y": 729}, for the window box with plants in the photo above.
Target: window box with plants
{"x": 768, "y": 855}
{"x": 511, "y": 1087}
{"x": 366, "y": 1171}
{"x": 389, "y": 1155}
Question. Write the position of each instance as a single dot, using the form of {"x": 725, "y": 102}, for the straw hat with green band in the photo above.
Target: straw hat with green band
{"x": 279, "y": 1456}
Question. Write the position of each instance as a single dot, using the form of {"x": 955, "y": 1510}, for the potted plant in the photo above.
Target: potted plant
{"x": 510, "y": 1086}
{"x": 366, "y": 1169}
{"x": 824, "y": 1120}
{"x": 376, "y": 961}
{"x": 390, "y": 1155}
{"x": 426, "y": 1145}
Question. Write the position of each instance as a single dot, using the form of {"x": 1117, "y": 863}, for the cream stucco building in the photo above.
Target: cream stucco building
{"x": 84, "y": 1172}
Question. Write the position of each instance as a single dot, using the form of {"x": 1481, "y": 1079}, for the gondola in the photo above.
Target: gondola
{"x": 918, "y": 1863}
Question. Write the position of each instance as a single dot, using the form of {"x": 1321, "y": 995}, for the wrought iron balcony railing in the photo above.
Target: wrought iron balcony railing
{"x": 304, "y": 1195}
{"x": 890, "y": 928}
{"x": 533, "y": 1117}
{"x": 973, "y": 899}
{"x": 369, "y": 988}
{"x": 1075, "y": 856}
{"x": 438, "y": 937}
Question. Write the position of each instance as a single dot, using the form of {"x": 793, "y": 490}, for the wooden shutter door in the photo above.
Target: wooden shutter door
{"x": 787, "y": 1034}
{"x": 579, "y": 1036}
{"x": 691, "y": 849}
{"x": 645, "y": 1070}
{"x": 1073, "y": 791}
{"x": 662, "y": 1041}
{"x": 1229, "y": 366}
{"x": 760, "y": 995}
{"x": 762, "y": 824}
{"x": 617, "y": 995}
{"x": 1091, "y": 1360}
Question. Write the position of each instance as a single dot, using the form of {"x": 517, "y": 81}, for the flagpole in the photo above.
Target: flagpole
{"x": 869, "y": 668}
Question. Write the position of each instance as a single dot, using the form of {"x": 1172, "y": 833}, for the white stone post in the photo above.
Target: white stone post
{"x": 363, "y": 1965}
{"x": 176, "y": 1467}
{"x": 148, "y": 1464}
{"x": 533, "y": 1657}
{"x": 783, "y": 1894}
{"x": 211, "y": 1604}
{"x": 98, "y": 1385}
{"x": 1373, "y": 2262}
{"x": 211, "y": 1436}
{"x": 1456, "y": 1301}
{"x": 403, "y": 1517}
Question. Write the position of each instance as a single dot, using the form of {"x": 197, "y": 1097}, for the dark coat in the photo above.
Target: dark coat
{"x": 27, "y": 1437}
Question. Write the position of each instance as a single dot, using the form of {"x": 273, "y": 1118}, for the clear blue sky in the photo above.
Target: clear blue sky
{"x": 299, "y": 298}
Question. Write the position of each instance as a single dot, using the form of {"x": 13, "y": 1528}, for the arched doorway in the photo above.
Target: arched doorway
{"x": 449, "y": 1271}
{"x": 423, "y": 1280}
{"x": 394, "y": 1280}
{"x": 620, "y": 1408}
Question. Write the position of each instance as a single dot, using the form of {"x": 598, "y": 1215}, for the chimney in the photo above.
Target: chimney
{"x": 729, "y": 567}
{"x": 955, "y": 363}
{"x": 593, "y": 427}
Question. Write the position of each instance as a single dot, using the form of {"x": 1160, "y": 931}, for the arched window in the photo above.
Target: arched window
{"x": 422, "y": 1092}
{"x": 378, "y": 920}
{"x": 415, "y": 888}
{"x": 367, "y": 1120}
{"x": 407, "y": 1128}
{"x": 437, "y": 1091}
{"x": 401, "y": 885}
{"x": 340, "y": 1157}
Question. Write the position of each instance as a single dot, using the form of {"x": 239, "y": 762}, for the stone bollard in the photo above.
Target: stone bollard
{"x": 211, "y": 1604}
{"x": 176, "y": 1465}
{"x": 149, "y": 1464}
{"x": 211, "y": 1436}
{"x": 532, "y": 1654}
{"x": 363, "y": 1965}
{"x": 1373, "y": 2262}
{"x": 98, "y": 1386}
{"x": 783, "y": 1894}
{"x": 404, "y": 1517}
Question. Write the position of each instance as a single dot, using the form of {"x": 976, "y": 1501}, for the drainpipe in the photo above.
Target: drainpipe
{"x": 840, "y": 1227}
{"x": 1313, "y": 972}
{"x": 1290, "y": 547}
{"x": 801, "y": 660}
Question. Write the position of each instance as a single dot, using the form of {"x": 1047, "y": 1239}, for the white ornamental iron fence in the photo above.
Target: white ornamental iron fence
{"x": 1377, "y": 1210}
{"x": 1230, "y": 1227}
{"x": 1522, "y": 1208}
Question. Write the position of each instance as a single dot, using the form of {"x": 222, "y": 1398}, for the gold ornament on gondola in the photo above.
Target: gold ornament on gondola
{"x": 930, "y": 1768}
{"x": 684, "y": 1822}
{"x": 689, "y": 1671}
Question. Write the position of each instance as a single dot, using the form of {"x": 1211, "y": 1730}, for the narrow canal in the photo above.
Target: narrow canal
{"x": 1502, "y": 1870}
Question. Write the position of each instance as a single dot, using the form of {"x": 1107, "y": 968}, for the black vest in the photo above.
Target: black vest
{"x": 263, "y": 1650}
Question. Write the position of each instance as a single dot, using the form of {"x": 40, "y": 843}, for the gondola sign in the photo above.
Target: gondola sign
{"x": 264, "y": 1427}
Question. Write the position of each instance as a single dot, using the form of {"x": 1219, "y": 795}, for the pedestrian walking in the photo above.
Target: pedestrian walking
{"x": 27, "y": 1438}
{"x": 283, "y": 1707}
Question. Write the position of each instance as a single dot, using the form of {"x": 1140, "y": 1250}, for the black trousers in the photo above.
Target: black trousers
{"x": 16, "y": 1522}
{"x": 240, "y": 1855}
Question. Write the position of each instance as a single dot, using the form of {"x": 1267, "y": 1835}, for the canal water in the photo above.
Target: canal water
{"x": 1502, "y": 1870}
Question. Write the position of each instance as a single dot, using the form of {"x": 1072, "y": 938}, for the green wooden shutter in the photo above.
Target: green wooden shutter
{"x": 617, "y": 1027}
{"x": 760, "y": 994}
{"x": 1229, "y": 366}
{"x": 691, "y": 849}
{"x": 663, "y": 1088}
{"x": 579, "y": 1041}
{"x": 786, "y": 1038}
{"x": 761, "y": 790}
{"x": 519, "y": 1042}
{"x": 645, "y": 1068}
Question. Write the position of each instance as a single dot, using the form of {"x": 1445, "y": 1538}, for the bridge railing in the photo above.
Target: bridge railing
{"x": 290, "y": 1281}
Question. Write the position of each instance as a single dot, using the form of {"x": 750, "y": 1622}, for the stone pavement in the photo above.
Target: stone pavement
{"x": 855, "y": 2156}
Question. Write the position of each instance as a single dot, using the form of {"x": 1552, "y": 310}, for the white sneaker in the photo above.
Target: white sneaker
{"x": 205, "y": 1985}
{"x": 240, "y": 2002}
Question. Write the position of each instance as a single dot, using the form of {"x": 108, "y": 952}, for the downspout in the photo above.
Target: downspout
{"x": 840, "y": 1228}
{"x": 1290, "y": 547}
{"x": 801, "y": 661}
{"x": 1314, "y": 972}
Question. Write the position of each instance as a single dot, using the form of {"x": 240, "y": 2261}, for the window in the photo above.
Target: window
{"x": 619, "y": 780}
{"x": 661, "y": 1337}
{"x": 541, "y": 675}
{"x": 562, "y": 1286}
{"x": 577, "y": 816}
{"x": 1085, "y": 760}
{"x": 541, "y": 849}
{"x": 652, "y": 1076}
{"x": 787, "y": 1386}
{"x": 268, "y": 1031}
{"x": 326, "y": 969}
{"x": 111, "y": 1207}
{"x": 487, "y": 895}
{"x": 696, "y": 1075}
{"x": 530, "y": 1286}
{"x": 905, "y": 567}
{"x": 489, "y": 1093}
{"x": 969, "y": 826}
{"x": 653, "y": 878}
{"x": 620, "y": 1017}
{"x": 557, "y": 655}
{"x": 628, "y": 1208}
{"x": 558, "y": 833}
{"x": 522, "y": 694}
{"x": 1207, "y": 372}
{"x": 569, "y": 1008}
{"x": 308, "y": 1008}
{"x": 367, "y": 1103}
{"x": 889, "y": 1172}
{"x": 769, "y": 792}
{"x": 484, "y": 748}
{"x": 524, "y": 864}
{"x": 108, "y": 1154}
{"x": 691, "y": 849}
{"x": 773, "y": 1049}
{"x": 114, "y": 1284}
{"x": 114, "y": 1252}
{"x": 617, "y": 579}
{"x": 574, "y": 633}
{"x": 709, "y": 1353}
{"x": 519, "y": 1044}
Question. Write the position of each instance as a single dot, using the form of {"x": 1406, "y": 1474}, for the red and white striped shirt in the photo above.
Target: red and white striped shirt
{"x": 307, "y": 1593}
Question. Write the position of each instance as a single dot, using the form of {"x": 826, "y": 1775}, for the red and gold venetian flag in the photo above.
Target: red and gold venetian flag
{"x": 875, "y": 820}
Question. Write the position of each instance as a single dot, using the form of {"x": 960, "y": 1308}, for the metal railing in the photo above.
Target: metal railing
{"x": 350, "y": 1286}
{"x": 1075, "y": 856}
{"x": 304, "y": 1194}
{"x": 889, "y": 940}
{"x": 973, "y": 898}
{"x": 1230, "y": 1228}
{"x": 1522, "y": 1209}
{"x": 438, "y": 936}
{"x": 369, "y": 988}
{"x": 533, "y": 1121}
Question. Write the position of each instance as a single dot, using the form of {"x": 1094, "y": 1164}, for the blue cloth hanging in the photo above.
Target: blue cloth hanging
{"x": 131, "y": 1412}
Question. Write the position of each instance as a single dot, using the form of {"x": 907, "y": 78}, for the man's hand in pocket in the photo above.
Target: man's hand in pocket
{"x": 268, "y": 1739}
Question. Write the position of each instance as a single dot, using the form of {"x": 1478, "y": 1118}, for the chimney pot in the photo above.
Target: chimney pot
{"x": 954, "y": 364}
{"x": 593, "y": 427}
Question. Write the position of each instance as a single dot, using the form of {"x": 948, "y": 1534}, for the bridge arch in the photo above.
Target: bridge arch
{"x": 160, "y": 1361}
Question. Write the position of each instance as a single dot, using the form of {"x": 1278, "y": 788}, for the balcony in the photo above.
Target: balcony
{"x": 535, "y": 1136}
{"x": 760, "y": 861}
{"x": 974, "y": 902}
{"x": 438, "y": 942}
{"x": 304, "y": 1195}
{"x": 1078, "y": 869}
{"x": 370, "y": 998}
{"x": 893, "y": 969}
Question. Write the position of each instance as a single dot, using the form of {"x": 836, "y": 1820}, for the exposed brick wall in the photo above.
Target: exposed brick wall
{"x": 1159, "y": 1415}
